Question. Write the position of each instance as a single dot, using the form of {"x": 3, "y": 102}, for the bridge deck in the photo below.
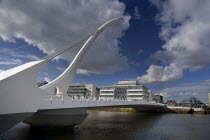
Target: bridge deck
{"x": 68, "y": 102}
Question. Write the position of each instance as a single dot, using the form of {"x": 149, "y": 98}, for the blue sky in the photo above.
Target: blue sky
{"x": 162, "y": 44}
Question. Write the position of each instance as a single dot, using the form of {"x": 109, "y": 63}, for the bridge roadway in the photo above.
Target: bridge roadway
{"x": 63, "y": 111}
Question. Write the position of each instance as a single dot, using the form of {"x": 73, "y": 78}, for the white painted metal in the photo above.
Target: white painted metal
{"x": 62, "y": 102}
{"x": 19, "y": 92}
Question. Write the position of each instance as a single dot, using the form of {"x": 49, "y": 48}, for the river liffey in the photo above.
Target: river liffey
{"x": 101, "y": 125}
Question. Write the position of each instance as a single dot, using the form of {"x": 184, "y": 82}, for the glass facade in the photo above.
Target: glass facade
{"x": 120, "y": 93}
{"x": 125, "y": 90}
{"x": 104, "y": 92}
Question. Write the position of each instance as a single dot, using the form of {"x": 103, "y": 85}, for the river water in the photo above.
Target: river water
{"x": 101, "y": 125}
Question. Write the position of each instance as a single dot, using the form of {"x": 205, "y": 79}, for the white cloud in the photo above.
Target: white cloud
{"x": 137, "y": 15}
{"x": 82, "y": 71}
{"x": 32, "y": 57}
{"x": 23, "y": 55}
{"x": 47, "y": 79}
{"x": 160, "y": 74}
{"x": 7, "y": 61}
{"x": 36, "y": 20}
{"x": 198, "y": 90}
{"x": 185, "y": 30}
{"x": 60, "y": 68}
{"x": 140, "y": 51}
{"x": 14, "y": 57}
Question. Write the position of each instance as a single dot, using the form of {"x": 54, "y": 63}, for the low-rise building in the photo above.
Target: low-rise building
{"x": 158, "y": 98}
{"x": 155, "y": 98}
{"x": 125, "y": 90}
{"x": 77, "y": 91}
{"x": 91, "y": 91}
{"x": 171, "y": 103}
{"x": 82, "y": 91}
{"x": 192, "y": 102}
{"x": 97, "y": 94}
{"x": 107, "y": 93}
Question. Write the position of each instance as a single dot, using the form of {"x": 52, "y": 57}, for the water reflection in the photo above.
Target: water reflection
{"x": 121, "y": 125}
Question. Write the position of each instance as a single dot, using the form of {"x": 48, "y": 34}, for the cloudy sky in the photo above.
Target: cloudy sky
{"x": 164, "y": 44}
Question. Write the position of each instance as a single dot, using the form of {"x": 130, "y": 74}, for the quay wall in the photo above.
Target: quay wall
{"x": 186, "y": 110}
{"x": 168, "y": 109}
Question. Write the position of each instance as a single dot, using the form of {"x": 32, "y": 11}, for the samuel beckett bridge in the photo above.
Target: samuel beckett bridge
{"x": 22, "y": 100}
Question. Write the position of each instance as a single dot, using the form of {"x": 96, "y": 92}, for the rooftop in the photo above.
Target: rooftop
{"x": 127, "y": 83}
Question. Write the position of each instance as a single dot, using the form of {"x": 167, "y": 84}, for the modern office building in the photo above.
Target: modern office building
{"x": 107, "y": 93}
{"x": 171, "y": 103}
{"x": 155, "y": 98}
{"x": 97, "y": 94}
{"x": 158, "y": 98}
{"x": 125, "y": 90}
{"x": 77, "y": 91}
{"x": 82, "y": 91}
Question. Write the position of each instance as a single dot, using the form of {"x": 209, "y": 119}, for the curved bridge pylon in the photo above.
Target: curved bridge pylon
{"x": 62, "y": 82}
{"x": 19, "y": 93}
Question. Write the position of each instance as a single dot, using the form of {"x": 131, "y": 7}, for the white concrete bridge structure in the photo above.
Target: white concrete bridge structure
{"x": 22, "y": 100}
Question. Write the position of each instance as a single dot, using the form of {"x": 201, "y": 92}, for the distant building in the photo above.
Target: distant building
{"x": 97, "y": 94}
{"x": 155, "y": 98}
{"x": 193, "y": 102}
{"x": 171, "y": 102}
{"x": 91, "y": 90}
{"x": 125, "y": 90}
{"x": 209, "y": 98}
{"x": 158, "y": 98}
{"x": 77, "y": 91}
{"x": 83, "y": 91}
{"x": 107, "y": 92}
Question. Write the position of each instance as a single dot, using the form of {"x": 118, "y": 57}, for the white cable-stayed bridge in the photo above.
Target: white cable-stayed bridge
{"x": 22, "y": 100}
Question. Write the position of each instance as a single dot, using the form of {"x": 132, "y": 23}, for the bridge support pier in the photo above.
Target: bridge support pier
{"x": 57, "y": 118}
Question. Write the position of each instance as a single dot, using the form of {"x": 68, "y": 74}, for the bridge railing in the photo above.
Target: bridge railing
{"x": 67, "y": 97}
{"x": 51, "y": 101}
